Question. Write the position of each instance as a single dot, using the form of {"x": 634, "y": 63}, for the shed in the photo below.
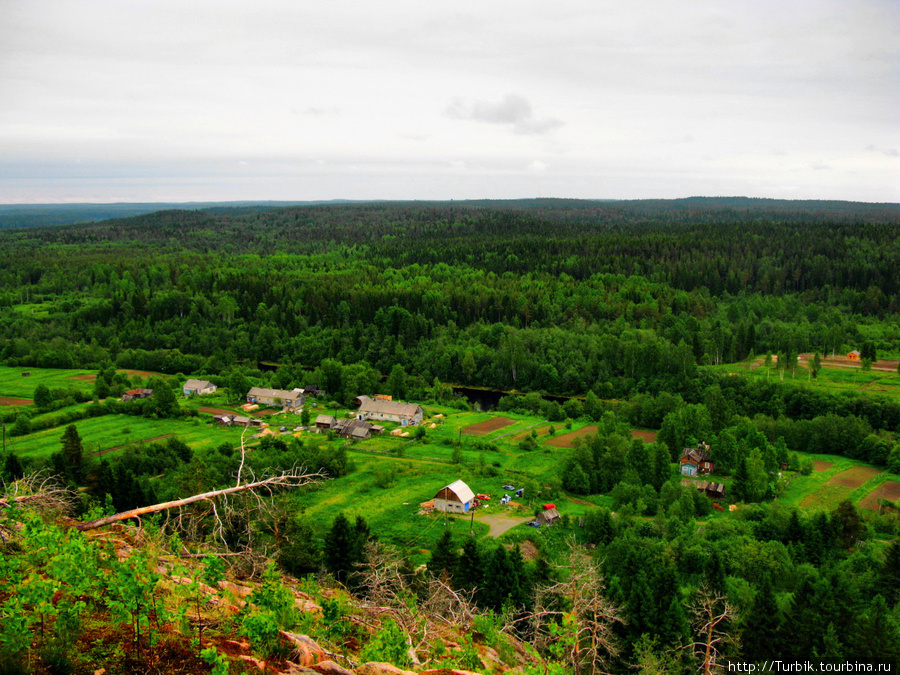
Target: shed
{"x": 325, "y": 421}
{"x": 548, "y": 516}
{"x": 456, "y": 497}
{"x": 854, "y": 355}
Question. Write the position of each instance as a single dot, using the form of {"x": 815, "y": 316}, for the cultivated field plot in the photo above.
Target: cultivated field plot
{"x": 541, "y": 431}
{"x": 15, "y": 401}
{"x": 839, "y": 487}
{"x": 819, "y": 465}
{"x": 14, "y": 385}
{"x": 488, "y": 426}
{"x": 568, "y": 440}
{"x": 855, "y": 477}
{"x": 644, "y": 435}
{"x": 889, "y": 490}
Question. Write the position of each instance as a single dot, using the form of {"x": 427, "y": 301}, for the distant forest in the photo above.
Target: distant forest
{"x": 558, "y": 296}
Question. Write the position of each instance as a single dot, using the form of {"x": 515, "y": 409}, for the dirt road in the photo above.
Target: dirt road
{"x": 500, "y": 522}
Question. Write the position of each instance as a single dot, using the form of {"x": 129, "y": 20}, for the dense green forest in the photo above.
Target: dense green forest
{"x": 609, "y": 314}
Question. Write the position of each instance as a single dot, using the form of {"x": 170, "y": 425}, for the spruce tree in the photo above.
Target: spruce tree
{"x": 72, "y": 454}
{"x": 761, "y": 628}
{"x": 443, "y": 558}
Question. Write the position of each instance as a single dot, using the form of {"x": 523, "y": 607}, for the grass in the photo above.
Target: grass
{"x": 830, "y": 379}
{"x": 102, "y": 433}
{"x": 14, "y": 385}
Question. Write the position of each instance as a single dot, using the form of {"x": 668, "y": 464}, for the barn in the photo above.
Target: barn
{"x": 455, "y": 498}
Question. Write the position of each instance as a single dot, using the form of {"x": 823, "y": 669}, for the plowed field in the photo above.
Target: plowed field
{"x": 486, "y": 427}
{"x": 888, "y": 490}
{"x": 568, "y": 440}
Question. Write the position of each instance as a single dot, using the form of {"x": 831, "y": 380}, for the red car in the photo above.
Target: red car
{"x": 487, "y": 497}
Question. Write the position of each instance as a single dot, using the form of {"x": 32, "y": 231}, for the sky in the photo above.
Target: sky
{"x": 196, "y": 100}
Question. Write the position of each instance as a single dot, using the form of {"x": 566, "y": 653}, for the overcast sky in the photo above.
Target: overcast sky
{"x": 180, "y": 100}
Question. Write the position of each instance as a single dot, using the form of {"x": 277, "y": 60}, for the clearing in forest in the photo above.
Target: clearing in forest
{"x": 646, "y": 436}
{"x": 568, "y": 440}
{"x": 889, "y": 490}
{"x": 486, "y": 427}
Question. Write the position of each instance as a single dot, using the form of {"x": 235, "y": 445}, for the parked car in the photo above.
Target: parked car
{"x": 483, "y": 496}
{"x": 509, "y": 487}
{"x": 534, "y": 523}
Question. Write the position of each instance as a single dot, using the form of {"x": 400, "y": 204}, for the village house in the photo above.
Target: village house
{"x": 198, "y": 388}
{"x": 404, "y": 414}
{"x": 710, "y": 489}
{"x": 854, "y": 355}
{"x": 454, "y": 498}
{"x": 137, "y": 393}
{"x": 289, "y": 401}
{"x": 354, "y": 429}
{"x": 696, "y": 461}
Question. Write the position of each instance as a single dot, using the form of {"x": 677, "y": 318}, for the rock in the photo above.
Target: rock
{"x": 306, "y": 651}
{"x": 305, "y": 605}
{"x": 253, "y": 662}
{"x": 330, "y": 668}
{"x": 447, "y": 671}
{"x": 376, "y": 668}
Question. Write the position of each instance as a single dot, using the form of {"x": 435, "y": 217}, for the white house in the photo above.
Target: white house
{"x": 389, "y": 411}
{"x": 198, "y": 387}
{"x": 456, "y": 498}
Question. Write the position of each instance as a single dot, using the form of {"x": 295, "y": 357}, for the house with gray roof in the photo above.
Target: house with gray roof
{"x": 404, "y": 414}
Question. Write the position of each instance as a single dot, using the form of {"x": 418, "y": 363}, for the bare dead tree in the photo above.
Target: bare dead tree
{"x": 258, "y": 490}
{"x": 712, "y": 616}
{"x": 576, "y": 619}
{"x": 39, "y": 492}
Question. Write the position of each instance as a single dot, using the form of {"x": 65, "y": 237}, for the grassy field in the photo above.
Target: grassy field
{"x": 831, "y": 378}
{"x": 110, "y": 431}
{"x": 14, "y": 385}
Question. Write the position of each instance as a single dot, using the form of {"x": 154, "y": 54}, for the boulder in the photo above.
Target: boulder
{"x": 329, "y": 668}
{"x": 377, "y": 668}
{"x": 306, "y": 650}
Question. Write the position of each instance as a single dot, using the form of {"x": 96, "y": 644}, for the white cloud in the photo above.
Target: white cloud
{"x": 512, "y": 110}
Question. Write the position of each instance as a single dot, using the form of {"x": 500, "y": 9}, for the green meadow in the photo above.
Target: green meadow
{"x": 14, "y": 385}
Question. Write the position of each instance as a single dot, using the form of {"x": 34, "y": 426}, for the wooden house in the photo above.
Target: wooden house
{"x": 696, "y": 461}
{"x": 354, "y": 429}
{"x": 455, "y": 498}
{"x": 289, "y": 401}
{"x": 137, "y": 393}
{"x": 404, "y": 414}
{"x": 198, "y": 388}
{"x": 854, "y": 355}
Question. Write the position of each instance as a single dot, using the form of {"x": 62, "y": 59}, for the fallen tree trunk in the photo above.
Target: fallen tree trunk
{"x": 284, "y": 481}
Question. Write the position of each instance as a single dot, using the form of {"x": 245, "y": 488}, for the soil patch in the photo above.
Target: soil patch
{"x": 568, "y": 440}
{"x": 646, "y": 436}
{"x": 15, "y": 401}
{"x": 853, "y": 478}
{"x": 819, "y": 465}
{"x": 91, "y": 377}
{"x": 888, "y": 490}
{"x": 486, "y": 427}
{"x": 216, "y": 411}
{"x": 265, "y": 411}
{"x": 541, "y": 431}
{"x": 500, "y": 523}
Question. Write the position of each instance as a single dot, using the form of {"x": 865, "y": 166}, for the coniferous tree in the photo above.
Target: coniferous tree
{"x": 889, "y": 576}
{"x": 72, "y": 454}
{"x": 444, "y": 557}
{"x": 469, "y": 566}
{"x": 761, "y": 634}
